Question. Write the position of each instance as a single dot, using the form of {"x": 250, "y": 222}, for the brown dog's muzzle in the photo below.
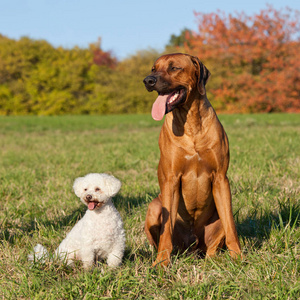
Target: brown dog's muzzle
{"x": 150, "y": 82}
{"x": 168, "y": 97}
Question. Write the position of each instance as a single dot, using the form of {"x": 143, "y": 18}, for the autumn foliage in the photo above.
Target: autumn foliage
{"x": 254, "y": 60}
{"x": 102, "y": 58}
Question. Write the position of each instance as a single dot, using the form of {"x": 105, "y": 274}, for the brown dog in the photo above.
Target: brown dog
{"x": 193, "y": 210}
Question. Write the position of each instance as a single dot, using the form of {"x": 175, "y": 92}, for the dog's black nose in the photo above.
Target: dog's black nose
{"x": 150, "y": 81}
{"x": 89, "y": 197}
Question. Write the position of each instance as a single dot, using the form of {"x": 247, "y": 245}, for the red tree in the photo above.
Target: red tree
{"x": 255, "y": 59}
{"x": 102, "y": 58}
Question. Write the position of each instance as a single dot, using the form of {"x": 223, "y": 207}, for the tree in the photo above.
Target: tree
{"x": 36, "y": 78}
{"x": 181, "y": 39}
{"x": 254, "y": 60}
{"x": 102, "y": 58}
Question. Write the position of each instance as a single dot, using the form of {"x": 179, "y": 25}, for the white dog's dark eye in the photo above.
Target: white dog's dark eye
{"x": 97, "y": 189}
{"x": 85, "y": 190}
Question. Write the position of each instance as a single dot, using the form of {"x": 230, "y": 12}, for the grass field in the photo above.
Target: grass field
{"x": 41, "y": 157}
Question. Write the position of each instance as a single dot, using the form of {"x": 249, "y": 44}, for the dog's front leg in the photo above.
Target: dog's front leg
{"x": 170, "y": 202}
{"x": 88, "y": 257}
{"x": 222, "y": 198}
{"x": 114, "y": 258}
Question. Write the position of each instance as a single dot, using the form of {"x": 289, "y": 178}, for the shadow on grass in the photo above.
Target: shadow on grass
{"x": 258, "y": 225}
{"x": 129, "y": 204}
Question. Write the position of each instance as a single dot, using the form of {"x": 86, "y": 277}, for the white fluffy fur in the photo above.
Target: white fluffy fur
{"x": 100, "y": 233}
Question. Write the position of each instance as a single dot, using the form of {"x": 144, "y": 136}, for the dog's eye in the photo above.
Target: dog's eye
{"x": 85, "y": 190}
{"x": 176, "y": 68}
{"x": 97, "y": 189}
{"x": 153, "y": 69}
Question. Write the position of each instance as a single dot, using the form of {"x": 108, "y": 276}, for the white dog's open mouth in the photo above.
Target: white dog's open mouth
{"x": 94, "y": 204}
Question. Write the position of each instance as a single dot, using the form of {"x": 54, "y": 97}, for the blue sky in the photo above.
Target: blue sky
{"x": 125, "y": 26}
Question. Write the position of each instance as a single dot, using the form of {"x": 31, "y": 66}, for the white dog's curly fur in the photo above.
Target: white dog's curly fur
{"x": 100, "y": 233}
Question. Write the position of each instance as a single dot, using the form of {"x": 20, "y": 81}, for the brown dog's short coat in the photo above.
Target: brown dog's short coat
{"x": 193, "y": 210}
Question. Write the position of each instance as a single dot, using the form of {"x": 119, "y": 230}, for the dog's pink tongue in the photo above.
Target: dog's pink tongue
{"x": 92, "y": 205}
{"x": 159, "y": 107}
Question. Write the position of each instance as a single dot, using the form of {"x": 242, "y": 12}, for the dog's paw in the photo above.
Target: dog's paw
{"x": 113, "y": 261}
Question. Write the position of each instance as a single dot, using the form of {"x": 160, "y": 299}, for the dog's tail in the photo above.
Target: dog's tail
{"x": 40, "y": 254}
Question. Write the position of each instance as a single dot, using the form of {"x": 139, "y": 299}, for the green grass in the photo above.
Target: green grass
{"x": 41, "y": 157}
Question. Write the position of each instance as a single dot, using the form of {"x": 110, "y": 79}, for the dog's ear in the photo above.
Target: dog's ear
{"x": 202, "y": 74}
{"x": 77, "y": 186}
{"x": 112, "y": 185}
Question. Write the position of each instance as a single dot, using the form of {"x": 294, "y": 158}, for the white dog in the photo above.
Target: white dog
{"x": 100, "y": 233}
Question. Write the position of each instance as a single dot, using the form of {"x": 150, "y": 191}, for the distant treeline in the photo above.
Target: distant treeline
{"x": 36, "y": 78}
{"x": 254, "y": 61}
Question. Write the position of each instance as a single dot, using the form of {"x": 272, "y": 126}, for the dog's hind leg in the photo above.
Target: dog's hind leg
{"x": 153, "y": 222}
{"x": 214, "y": 236}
